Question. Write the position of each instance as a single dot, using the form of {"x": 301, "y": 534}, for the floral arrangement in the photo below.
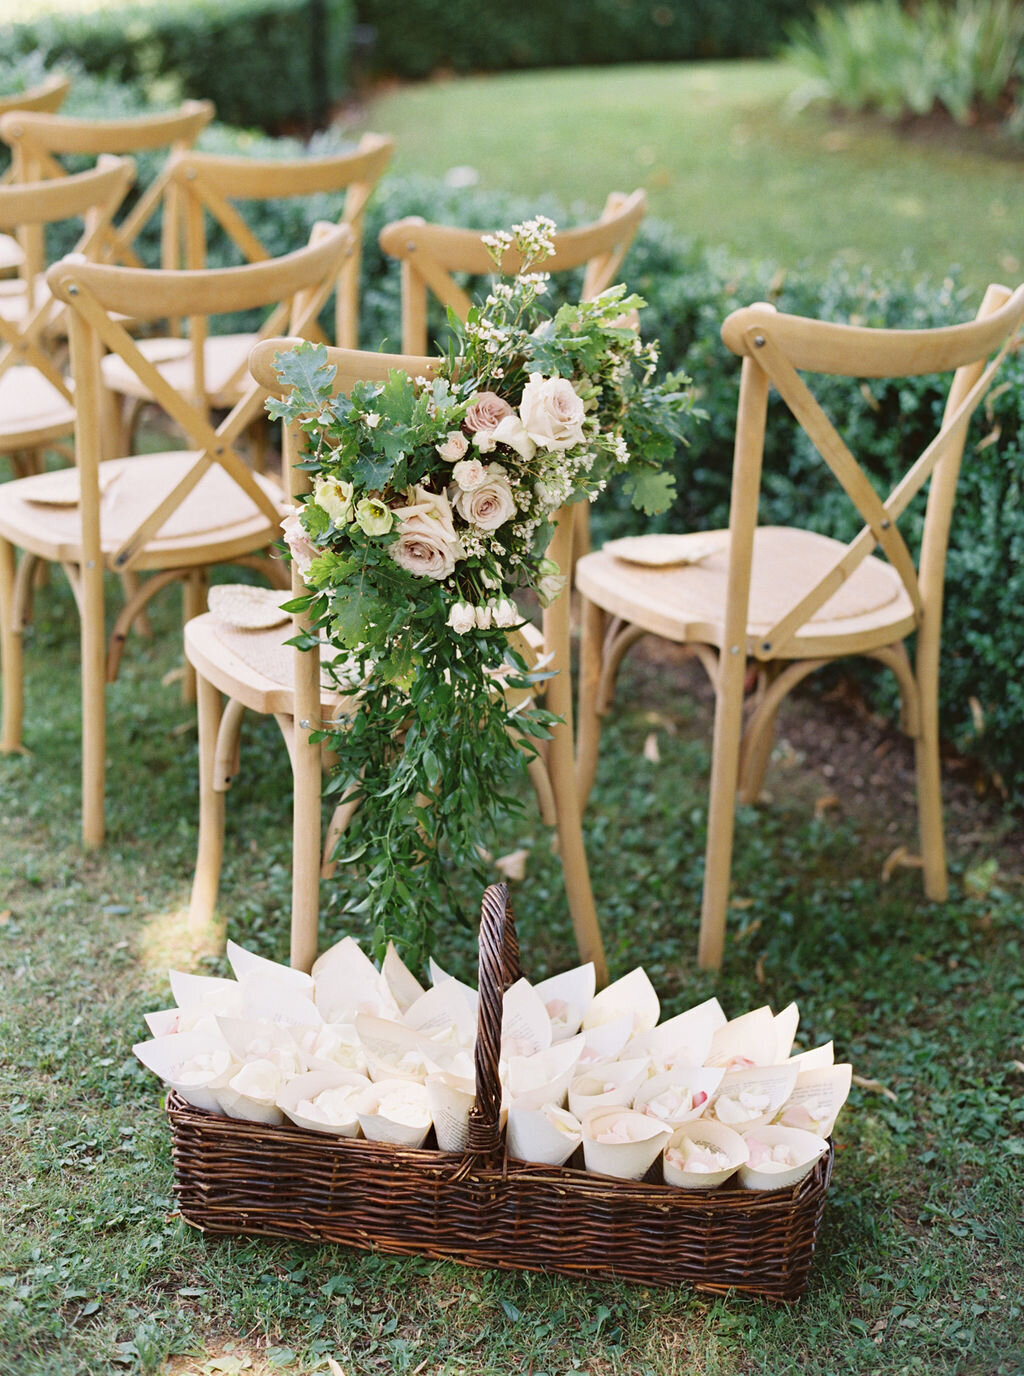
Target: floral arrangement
{"x": 592, "y": 1079}
{"x": 430, "y": 515}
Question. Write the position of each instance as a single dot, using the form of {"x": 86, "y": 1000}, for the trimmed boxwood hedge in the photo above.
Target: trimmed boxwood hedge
{"x": 413, "y": 40}
{"x": 265, "y": 63}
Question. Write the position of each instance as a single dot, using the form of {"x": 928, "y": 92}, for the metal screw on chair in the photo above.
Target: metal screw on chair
{"x": 886, "y": 523}
{"x": 72, "y": 290}
{"x": 758, "y": 341}
{"x": 304, "y": 724}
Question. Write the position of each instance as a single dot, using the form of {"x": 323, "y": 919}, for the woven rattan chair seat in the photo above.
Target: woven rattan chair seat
{"x": 224, "y": 358}
{"x": 687, "y": 602}
{"x": 32, "y": 407}
{"x": 254, "y": 667}
{"x": 40, "y": 514}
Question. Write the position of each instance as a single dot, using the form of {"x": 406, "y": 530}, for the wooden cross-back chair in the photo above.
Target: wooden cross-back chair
{"x": 788, "y": 601}
{"x": 47, "y": 96}
{"x": 39, "y": 141}
{"x": 206, "y": 188}
{"x": 254, "y": 670}
{"x": 170, "y": 514}
{"x": 36, "y": 400}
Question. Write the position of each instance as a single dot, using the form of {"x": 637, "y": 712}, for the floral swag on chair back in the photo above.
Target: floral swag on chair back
{"x": 431, "y": 511}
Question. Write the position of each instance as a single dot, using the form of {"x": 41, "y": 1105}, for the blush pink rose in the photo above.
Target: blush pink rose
{"x": 486, "y": 411}
{"x": 491, "y": 504}
{"x": 301, "y": 548}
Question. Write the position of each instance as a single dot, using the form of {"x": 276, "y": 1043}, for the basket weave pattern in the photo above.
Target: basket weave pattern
{"x": 234, "y": 1176}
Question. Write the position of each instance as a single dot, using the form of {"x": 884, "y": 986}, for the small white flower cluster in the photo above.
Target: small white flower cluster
{"x": 356, "y": 1051}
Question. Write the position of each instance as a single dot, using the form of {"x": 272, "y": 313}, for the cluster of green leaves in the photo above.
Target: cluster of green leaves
{"x": 966, "y": 58}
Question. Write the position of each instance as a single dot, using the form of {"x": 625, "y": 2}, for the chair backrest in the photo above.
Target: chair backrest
{"x": 39, "y": 141}
{"x": 45, "y": 98}
{"x": 98, "y": 294}
{"x": 430, "y": 254}
{"x": 776, "y": 349}
{"x": 92, "y": 197}
{"x": 209, "y": 185}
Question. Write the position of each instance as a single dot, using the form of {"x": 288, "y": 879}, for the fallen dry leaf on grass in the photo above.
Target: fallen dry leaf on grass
{"x": 825, "y": 803}
{"x": 875, "y": 1087}
{"x": 651, "y": 752}
{"x": 513, "y": 865}
{"x": 900, "y": 858}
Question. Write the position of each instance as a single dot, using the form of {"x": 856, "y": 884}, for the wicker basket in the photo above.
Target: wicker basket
{"x": 480, "y": 1208}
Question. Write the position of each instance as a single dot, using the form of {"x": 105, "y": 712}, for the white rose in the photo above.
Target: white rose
{"x": 469, "y": 474}
{"x": 454, "y": 446}
{"x": 551, "y": 412}
{"x": 425, "y": 551}
{"x": 462, "y": 617}
{"x": 430, "y": 509}
{"x": 483, "y": 617}
{"x": 491, "y": 504}
{"x": 334, "y": 495}
{"x": 506, "y": 613}
{"x": 510, "y": 430}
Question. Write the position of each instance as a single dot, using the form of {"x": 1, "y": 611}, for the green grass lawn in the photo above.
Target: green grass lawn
{"x": 921, "y": 1255}
{"x": 725, "y": 157}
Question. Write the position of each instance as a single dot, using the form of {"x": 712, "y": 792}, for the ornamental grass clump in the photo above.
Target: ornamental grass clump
{"x": 432, "y": 507}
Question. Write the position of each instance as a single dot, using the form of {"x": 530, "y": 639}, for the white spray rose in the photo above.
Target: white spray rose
{"x": 469, "y": 474}
{"x": 454, "y": 446}
{"x": 462, "y": 617}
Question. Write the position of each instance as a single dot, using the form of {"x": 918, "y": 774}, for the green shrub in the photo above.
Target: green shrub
{"x": 966, "y": 58}
{"x": 485, "y": 35}
{"x": 262, "y": 62}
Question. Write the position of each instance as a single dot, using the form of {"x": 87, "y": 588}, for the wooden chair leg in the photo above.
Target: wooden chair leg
{"x": 94, "y": 707}
{"x": 193, "y": 603}
{"x": 306, "y": 845}
{"x": 11, "y": 664}
{"x": 721, "y": 809}
{"x": 588, "y": 724}
{"x": 929, "y": 789}
{"x": 210, "y": 851}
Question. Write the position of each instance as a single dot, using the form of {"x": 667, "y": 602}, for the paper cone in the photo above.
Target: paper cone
{"x": 704, "y": 1136}
{"x": 671, "y": 1096}
{"x": 745, "y": 1041}
{"x": 443, "y": 1015}
{"x": 786, "y": 1024}
{"x": 610, "y": 1085}
{"x": 547, "y": 1134}
{"x": 817, "y": 1097}
{"x": 806, "y": 1146}
{"x": 684, "y": 1040}
{"x": 547, "y": 1074}
{"x": 252, "y": 1092}
{"x": 402, "y": 984}
{"x": 245, "y": 962}
{"x": 567, "y": 997}
{"x": 604, "y": 1043}
{"x": 632, "y": 996}
{"x": 628, "y": 1160}
{"x": 449, "y": 1099}
{"x": 252, "y": 1040}
{"x": 816, "y": 1059}
{"x": 310, "y": 1087}
{"x": 395, "y": 1111}
{"x": 192, "y": 1064}
{"x": 265, "y": 998}
{"x": 747, "y": 1098}
{"x": 206, "y": 991}
{"x": 525, "y": 1025}
{"x": 333, "y": 1046}
{"x": 439, "y": 976}
{"x": 394, "y": 1052}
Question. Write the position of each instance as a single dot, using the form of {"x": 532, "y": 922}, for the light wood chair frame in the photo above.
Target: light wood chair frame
{"x": 552, "y": 771}
{"x": 776, "y": 349}
{"x": 94, "y": 198}
{"x": 97, "y": 295}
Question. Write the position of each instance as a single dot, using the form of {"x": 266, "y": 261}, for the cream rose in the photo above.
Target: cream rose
{"x": 469, "y": 474}
{"x": 487, "y": 410}
{"x": 491, "y": 504}
{"x": 427, "y": 544}
{"x": 454, "y": 446}
{"x": 300, "y": 546}
{"x": 551, "y": 412}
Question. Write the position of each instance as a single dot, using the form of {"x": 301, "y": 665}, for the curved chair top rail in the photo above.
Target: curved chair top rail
{"x": 352, "y": 365}
{"x": 30, "y": 203}
{"x": 232, "y": 175}
{"x": 818, "y": 346}
{"x": 131, "y": 134}
{"x": 463, "y": 250}
{"x": 47, "y": 97}
{"x": 154, "y": 293}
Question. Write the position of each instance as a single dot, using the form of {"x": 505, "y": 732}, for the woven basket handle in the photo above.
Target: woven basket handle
{"x": 499, "y": 968}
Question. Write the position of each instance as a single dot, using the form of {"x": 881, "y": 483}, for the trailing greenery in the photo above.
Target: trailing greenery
{"x": 488, "y": 35}
{"x": 965, "y": 57}
{"x": 262, "y": 62}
